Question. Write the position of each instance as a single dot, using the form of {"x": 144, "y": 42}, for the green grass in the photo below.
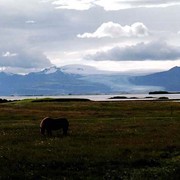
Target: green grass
{"x": 107, "y": 140}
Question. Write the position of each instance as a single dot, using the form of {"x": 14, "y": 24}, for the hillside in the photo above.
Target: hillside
{"x": 167, "y": 80}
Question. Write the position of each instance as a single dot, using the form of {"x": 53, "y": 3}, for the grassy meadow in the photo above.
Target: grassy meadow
{"x": 106, "y": 140}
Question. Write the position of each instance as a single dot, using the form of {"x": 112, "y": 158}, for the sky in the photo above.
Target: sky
{"x": 132, "y": 36}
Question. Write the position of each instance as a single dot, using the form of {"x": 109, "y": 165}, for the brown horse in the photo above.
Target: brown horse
{"x": 48, "y": 124}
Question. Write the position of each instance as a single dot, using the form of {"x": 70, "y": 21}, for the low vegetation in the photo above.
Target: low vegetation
{"x": 106, "y": 140}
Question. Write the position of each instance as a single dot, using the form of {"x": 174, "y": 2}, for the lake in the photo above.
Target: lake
{"x": 103, "y": 97}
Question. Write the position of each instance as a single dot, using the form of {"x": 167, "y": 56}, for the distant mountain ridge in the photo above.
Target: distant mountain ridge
{"x": 47, "y": 82}
{"x": 167, "y": 80}
{"x": 57, "y": 81}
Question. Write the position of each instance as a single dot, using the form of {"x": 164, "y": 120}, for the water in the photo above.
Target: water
{"x": 101, "y": 97}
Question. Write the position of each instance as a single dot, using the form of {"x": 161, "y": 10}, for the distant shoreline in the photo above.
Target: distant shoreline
{"x": 102, "y": 97}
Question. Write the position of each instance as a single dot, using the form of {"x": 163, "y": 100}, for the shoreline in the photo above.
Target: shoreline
{"x": 102, "y": 97}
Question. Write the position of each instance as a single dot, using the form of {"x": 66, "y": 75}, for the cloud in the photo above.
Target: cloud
{"x": 24, "y": 59}
{"x": 155, "y": 50}
{"x": 36, "y": 24}
{"x": 113, "y": 4}
{"x": 30, "y": 22}
{"x": 121, "y": 4}
{"x": 115, "y": 30}
{"x": 73, "y": 4}
{"x": 9, "y": 54}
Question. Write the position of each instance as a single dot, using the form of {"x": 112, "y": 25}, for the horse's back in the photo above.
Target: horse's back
{"x": 54, "y": 123}
{"x": 59, "y": 123}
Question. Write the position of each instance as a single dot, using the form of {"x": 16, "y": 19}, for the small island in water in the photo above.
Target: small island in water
{"x": 163, "y": 92}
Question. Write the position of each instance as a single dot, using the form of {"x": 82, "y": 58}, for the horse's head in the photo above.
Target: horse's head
{"x": 42, "y": 126}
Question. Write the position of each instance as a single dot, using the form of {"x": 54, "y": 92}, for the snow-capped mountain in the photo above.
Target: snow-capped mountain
{"x": 82, "y": 70}
{"x": 50, "y": 70}
{"x": 51, "y": 81}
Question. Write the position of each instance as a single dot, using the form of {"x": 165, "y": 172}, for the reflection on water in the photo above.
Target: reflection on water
{"x": 115, "y": 97}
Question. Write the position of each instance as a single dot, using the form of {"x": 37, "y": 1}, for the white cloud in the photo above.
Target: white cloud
{"x": 30, "y": 22}
{"x": 113, "y": 4}
{"x": 73, "y": 4}
{"x": 121, "y": 4}
{"x": 115, "y": 30}
{"x": 158, "y": 50}
{"x": 44, "y": 1}
{"x": 9, "y": 54}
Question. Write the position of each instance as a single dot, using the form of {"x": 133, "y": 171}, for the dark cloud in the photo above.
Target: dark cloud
{"x": 24, "y": 59}
{"x": 158, "y": 50}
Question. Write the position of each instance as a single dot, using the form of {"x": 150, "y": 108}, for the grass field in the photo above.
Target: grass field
{"x": 107, "y": 140}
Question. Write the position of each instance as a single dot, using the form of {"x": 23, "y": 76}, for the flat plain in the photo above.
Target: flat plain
{"x": 106, "y": 140}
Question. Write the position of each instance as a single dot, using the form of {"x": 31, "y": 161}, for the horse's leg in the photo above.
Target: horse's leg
{"x": 65, "y": 129}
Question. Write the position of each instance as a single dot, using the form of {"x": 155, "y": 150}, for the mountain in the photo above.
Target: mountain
{"x": 83, "y": 70}
{"x": 167, "y": 80}
{"x": 51, "y": 81}
{"x": 84, "y": 80}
